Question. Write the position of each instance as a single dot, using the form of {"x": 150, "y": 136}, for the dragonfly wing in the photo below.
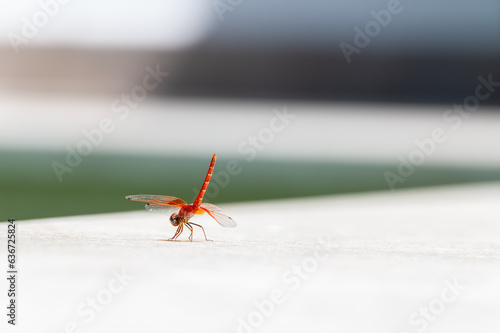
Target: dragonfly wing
{"x": 211, "y": 207}
{"x": 216, "y": 214}
{"x": 163, "y": 209}
{"x": 157, "y": 199}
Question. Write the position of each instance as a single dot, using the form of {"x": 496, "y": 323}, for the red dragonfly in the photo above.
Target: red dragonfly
{"x": 181, "y": 211}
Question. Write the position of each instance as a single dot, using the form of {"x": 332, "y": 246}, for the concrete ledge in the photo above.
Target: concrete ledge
{"x": 409, "y": 261}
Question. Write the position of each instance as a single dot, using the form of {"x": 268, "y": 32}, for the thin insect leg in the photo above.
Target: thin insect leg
{"x": 203, "y": 231}
{"x": 181, "y": 229}
{"x": 190, "y": 228}
{"x": 178, "y": 232}
{"x": 175, "y": 235}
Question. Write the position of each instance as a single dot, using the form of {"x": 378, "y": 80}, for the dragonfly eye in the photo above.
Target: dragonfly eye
{"x": 174, "y": 219}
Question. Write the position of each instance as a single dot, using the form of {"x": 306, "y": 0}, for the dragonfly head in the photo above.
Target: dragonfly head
{"x": 174, "y": 219}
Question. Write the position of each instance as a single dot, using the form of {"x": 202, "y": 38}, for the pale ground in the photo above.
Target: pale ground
{"x": 354, "y": 263}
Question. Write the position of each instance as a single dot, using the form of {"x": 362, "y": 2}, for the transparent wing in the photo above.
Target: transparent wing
{"x": 215, "y": 213}
{"x": 163, "y": 209}
{"x": 157, "y": 199}
{"x": 211, "y": 207}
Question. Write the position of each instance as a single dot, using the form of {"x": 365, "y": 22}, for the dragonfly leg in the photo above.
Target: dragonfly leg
{"x": 203, "y": 231}
{"x": 190, "y": 228}
{"x": 178, "y": 232}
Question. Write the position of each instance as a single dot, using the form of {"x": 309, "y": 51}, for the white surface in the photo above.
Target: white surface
{"x": 387, "y": 255}
{"x": 319, "y": 131}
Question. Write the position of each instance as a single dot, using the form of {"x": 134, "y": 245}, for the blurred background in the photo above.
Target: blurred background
{"x": 99, "y": 100}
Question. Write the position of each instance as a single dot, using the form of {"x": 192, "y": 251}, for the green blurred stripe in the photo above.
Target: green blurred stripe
{"x": 29, "y": 187}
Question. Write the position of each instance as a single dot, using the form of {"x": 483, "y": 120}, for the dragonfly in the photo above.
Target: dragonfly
{"x": 181, "y": 213}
